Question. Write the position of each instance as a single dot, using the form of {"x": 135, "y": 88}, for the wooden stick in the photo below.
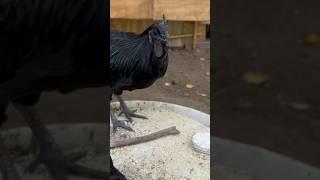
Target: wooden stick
{"x": 136, "y": 140}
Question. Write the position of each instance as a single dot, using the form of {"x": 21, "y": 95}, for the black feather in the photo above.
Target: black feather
{"x": 133, "y": 60}
{"x": 49, "y": 45}
{"x": 38, "y": 29}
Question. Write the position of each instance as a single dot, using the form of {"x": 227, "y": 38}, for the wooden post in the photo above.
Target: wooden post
{"x": 194, "y": 42}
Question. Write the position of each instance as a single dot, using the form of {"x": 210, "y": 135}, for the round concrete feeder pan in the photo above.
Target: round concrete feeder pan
{"x": 238, "y": 161}
{"x": 168, "y": 157}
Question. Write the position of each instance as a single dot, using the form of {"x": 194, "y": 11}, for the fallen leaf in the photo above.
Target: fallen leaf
{"x": 253, "y": 54}
{"x": 173, "y": 82}
{"x": 299, "y": 106}
{"x": 202, "y": 94}
{"x": 255, "y": 78}
{"x": 202, "y": 59}
{"x": 167, "y": 84}
{"x": 311, "y": 39}
{"x": 189, "y": 86}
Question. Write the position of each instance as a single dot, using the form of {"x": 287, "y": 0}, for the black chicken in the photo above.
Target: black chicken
{"x": 137, "y": 61}
{"x": 50, "y": 45}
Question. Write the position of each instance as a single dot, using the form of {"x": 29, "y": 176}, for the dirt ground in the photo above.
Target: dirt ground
{"x": 185, "y": 67}
{"x": 268, "y": 37}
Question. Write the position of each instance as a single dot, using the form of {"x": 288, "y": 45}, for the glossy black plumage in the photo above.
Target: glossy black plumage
{"x": 138, "y": 60}
{"x": 50, "y": 45}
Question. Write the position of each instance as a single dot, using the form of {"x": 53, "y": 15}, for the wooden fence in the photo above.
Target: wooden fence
{"x": 187, "y": 18}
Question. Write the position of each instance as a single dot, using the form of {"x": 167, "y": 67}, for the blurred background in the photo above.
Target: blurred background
{"x": 266, "y": 86}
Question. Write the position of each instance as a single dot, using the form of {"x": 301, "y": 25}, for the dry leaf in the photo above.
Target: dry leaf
{"x": 255, "y": 78}
{"x": 311, "y": 39}
{"x": 173, "y": 82}
{"x": 167, "y": 84}
{"x": 202, "y": 94}
{"x": 189, "y": 86}
{"x": 299, "y": 106}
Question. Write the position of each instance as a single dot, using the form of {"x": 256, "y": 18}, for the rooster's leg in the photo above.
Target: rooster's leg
{"x": 117, "y": 123}
{"x": 125, "y": 110}
{"x": 49, "y": 152}
{"x": 6, "y": 165}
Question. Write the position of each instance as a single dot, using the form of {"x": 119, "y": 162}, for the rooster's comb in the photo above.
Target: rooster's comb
{"x": 164, "y": 20}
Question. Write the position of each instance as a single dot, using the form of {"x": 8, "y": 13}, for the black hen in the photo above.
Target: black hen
{"x": 137, "y": 61}
{"x": 50, "y": 45}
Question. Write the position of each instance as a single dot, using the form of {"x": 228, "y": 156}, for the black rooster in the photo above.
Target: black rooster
{"x": 50, "y": 45}
{"x": 137, "y": 61}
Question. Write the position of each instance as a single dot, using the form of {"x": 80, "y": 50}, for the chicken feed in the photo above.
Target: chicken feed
{"x": 170, "y": 157}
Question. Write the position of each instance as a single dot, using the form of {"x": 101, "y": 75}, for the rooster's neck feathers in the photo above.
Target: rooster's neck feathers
{"x": 132, "y": 56}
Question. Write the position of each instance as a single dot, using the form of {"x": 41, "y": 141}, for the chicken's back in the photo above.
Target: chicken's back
{"x": 51, "y": 45}
{"x": 52, "y": 38}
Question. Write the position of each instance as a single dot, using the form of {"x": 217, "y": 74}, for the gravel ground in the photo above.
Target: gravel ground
{"x": 170, "y": 157}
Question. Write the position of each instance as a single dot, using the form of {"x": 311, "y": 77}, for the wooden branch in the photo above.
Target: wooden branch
{"x": 137, "y": 140}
